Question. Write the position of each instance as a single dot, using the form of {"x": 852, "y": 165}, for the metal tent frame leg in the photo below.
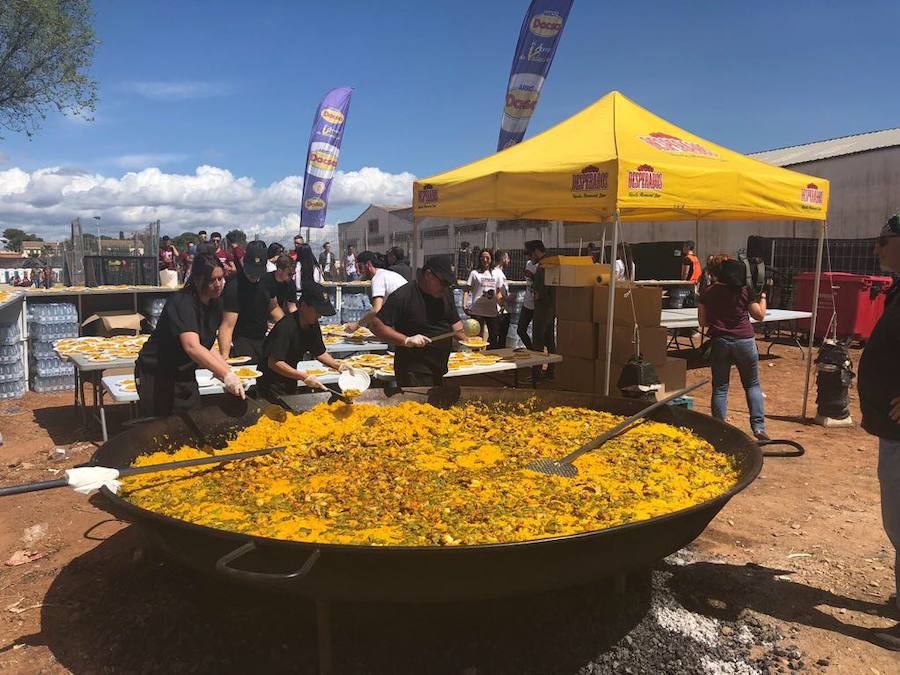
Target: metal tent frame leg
{"x": 814, "y": 318}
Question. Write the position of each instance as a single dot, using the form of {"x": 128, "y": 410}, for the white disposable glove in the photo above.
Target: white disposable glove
{"x": 88, "y": 479}
{"x": 345, "y": 367}
{"x": 352, "y": 327}
{"x": 312, "y": 382}
{"x": 416, "y": 341}
{"x": 233, "y": 385}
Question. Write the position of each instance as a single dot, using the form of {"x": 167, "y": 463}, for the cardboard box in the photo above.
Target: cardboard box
{"x": 653, "y": 343}
{"x": 647, "y": 305}
{"x": 565, "y": 270}
{"x": 575, "y": 374}
{"x": 107, "y": 324}
{"x": 576, "y": 338}
{"x": 575, "y": 304}
{"x": 673, "y": 375}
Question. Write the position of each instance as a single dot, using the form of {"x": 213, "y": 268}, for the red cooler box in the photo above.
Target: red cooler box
{"x": 858, "y": 299}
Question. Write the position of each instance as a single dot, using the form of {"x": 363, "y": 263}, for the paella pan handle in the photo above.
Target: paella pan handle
{"x": 223, "y": 565}
{"x": 798, "y": 450}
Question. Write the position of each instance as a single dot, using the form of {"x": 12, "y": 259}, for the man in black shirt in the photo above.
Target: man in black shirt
{"x": 248, "y": 301}
{"x": 396, "y": 263}
{"x": 281, "y": 283}
{"x": 288, "y": 342}
{"x": 415, "y": 313}
{"x": 879, "y": 400}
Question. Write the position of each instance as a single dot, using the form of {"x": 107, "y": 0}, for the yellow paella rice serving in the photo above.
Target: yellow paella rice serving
{"x": 416, "y": 475}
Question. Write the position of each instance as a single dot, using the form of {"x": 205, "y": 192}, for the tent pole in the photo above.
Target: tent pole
{"x": 610, "y": 306}
{"x": 414, "y": 249}
{"x": 815, "y": 313}
{"x": 603, "y": 245}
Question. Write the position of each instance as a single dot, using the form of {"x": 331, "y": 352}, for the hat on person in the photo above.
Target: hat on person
{"x": 892, "y": 226}
{"x": 314, "y": 296}
{"x": 255, "y": 259}
{"x": 441, "y": 268}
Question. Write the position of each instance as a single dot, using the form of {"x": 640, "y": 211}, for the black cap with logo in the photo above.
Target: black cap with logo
{"x": 254, "y": 261}
{"x": 314, "y": 296}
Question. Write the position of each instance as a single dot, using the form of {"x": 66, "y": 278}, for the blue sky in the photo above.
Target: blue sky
{"x": 233, "y": 85}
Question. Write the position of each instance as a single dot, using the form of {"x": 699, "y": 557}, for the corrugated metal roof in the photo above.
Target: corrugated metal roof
{"x": 835, "y": 147}
{"x": 393, "y": 207}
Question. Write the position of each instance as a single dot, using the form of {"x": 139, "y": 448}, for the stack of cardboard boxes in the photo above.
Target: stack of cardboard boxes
{"x": 581, "y": 312}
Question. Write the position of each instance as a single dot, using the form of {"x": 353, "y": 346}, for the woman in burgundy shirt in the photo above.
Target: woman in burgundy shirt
{"x": 725, "y": 308}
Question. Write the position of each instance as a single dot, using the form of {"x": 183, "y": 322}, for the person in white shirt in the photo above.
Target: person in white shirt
{"x": 350, "y": 264}
{"x": 370, "y": 265}
{"x": 624, "y": 263}
{"x": 485, "y": 285}
{"x": 327, "y": 262}
{"x": 527, "y": 312}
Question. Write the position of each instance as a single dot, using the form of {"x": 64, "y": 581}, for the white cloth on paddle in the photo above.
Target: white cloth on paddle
{"x": 88, "y": 479}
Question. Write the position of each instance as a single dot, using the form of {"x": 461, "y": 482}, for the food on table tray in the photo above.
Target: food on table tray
{"x": 370, "y": 361}
{"x": 332, "y": 340}
{"x": 246, "y": 373}
{"x": 120, "y": 347}
{"x": 237, "y": 360}
{"x": 315, "y": 372}
{"x": 128, "y": 385}
{"x": 352, "y": 393}
{"x": 416, "y": 475}
{"x": 360, "y": 333}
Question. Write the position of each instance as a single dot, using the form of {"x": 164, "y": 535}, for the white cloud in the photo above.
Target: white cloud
{"x": 141, "y": 161}
{"x": 46, "y": 200}
{"x": 178, "y": 90}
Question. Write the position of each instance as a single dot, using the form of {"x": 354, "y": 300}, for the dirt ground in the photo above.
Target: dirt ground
{"x": 802, "y": 548}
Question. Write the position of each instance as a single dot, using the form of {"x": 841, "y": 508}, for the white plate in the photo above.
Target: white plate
{"x": 354, "y": 379}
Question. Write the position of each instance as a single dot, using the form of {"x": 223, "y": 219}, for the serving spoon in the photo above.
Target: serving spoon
{"x": 564, "y": 467}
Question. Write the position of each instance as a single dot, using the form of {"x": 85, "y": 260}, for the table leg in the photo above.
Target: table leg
{"x": 103, "y": 423}
{"x": 516, "y": 378}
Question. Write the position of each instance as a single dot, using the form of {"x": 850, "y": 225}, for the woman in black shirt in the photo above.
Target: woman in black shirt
{"x": 165, "y": 371}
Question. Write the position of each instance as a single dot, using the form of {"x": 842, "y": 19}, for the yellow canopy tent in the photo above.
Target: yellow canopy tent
{"x": 615, "y": 161}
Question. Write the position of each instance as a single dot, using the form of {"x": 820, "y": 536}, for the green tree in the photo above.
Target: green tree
{"x": 239, "y": 236}
{"x": 13, "y": 237}
{"x": 46, "y": 47}
{"x": 182, "y": 240}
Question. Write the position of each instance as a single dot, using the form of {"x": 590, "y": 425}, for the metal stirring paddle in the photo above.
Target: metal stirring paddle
{"x": 564, "y": 467}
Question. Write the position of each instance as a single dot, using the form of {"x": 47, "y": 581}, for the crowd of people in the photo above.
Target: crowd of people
{"x": 44, "y": 277}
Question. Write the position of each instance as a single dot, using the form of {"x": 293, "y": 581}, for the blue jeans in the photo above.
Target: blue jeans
{"x": 889, "y": 480}
{"x": 741, "y": 352}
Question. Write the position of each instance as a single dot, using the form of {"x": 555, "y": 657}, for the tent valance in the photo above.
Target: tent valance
{"x": 617, "y": 156}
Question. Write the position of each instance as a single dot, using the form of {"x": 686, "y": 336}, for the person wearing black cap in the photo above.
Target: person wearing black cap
{"x": 248, "y": 301}
{"x": 415, "y": 313}
{"x": 165, "y": 370}
{"x": 879, "y": 401}
{"x": 287, "y": 343}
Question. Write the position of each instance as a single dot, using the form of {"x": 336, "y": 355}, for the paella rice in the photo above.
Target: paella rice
{"x": 416, "y": 475}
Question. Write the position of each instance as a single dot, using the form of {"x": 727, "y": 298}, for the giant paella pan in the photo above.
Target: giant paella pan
{"x": 421, "y": 573}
